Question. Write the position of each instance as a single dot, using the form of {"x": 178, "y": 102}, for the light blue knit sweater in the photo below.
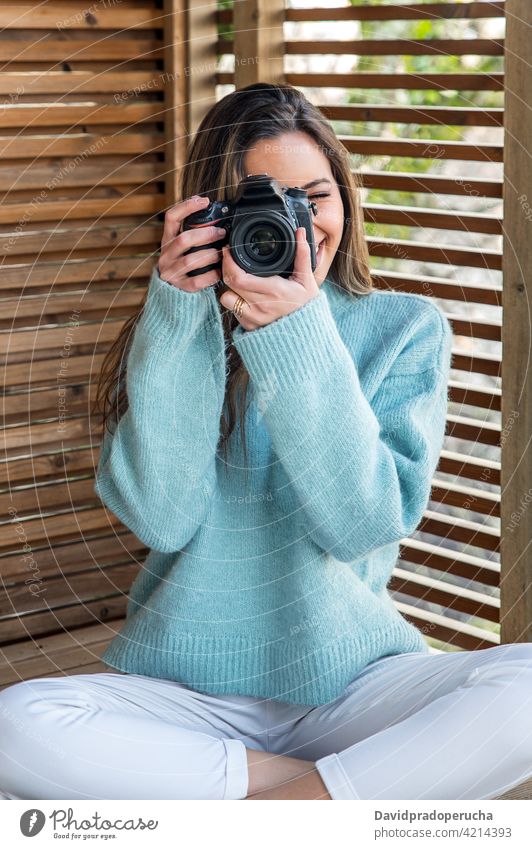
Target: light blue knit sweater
{"x": 271, "y": 580}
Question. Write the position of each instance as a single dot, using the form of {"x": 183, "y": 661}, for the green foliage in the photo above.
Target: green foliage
{"x": 431, "y": 63}
{"x": 226, "y": 30}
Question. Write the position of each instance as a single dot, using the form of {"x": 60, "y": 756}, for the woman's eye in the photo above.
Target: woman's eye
{"x": 321, "y": 195}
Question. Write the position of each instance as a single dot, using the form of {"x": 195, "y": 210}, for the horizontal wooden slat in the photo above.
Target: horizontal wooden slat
{"x": 423, "y": 149}
{"x": 54, "y": 644}
{"x": 381, "y": 81}
{"x": 413, "y": 216}
{"x": 79, "y": 368}
{"x": 50, "y": 498}
{"x": 365, "y": 79}
{"x": 131, "y": 203}
{"x": 389, "y": 47}
{"x": 93, "y": 99}
{"x": 49, "y": 438}
{"x": 445, "y": 594}
{"x": 462, "y": 427}
{"x": 40, "y": 240}
{"x": 485, "y": 329}
{"x": 61, "y": 526}
{"x": 93, "y": 552}
{"x": 460, "y": 530}
{"x": 438, "y": 287}
{"x": 18, "y": 83}
{"x": 29, "y": 50}
{"x": 447, "y": 629}
{"x": 440, "y": 115}
{"x": 451, "y": 563}
{"x": 45, "y": 436}
{"x": 44, "y": 403}
{"x": 53, "y": 464}
{"x": 400, "y": 47}
{"x": 430, "y": 183}
{"x": 446, "y": 254}
{"x": 477, "y": 363}
{"x": 62, "y": 15}
{"x": 389, "y": 12}
{"x": 88, "y": 127}
{"x": 69, "y": 115}
{"x": 62, "y": 590}
{"x": 18, "y": 175}
{"x": 463, "y": 393}
{"x": 55, "y": 308}
{"x": 80, "y": 143}
{"x": 468, "y": 466}
{"x": 71, "y": 616}
{"x": 55, "y": 275}
{"x": 466, "y": 497}
{"x": 26, "y": 340}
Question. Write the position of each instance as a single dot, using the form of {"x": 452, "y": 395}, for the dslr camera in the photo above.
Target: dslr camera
{"x": 260, "y": 225}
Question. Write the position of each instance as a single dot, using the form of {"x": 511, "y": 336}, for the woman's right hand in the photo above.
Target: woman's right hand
{"x": 173, "y": 266}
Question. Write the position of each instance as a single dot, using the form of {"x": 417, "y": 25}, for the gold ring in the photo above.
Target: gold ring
{"x": 238, "y": 307}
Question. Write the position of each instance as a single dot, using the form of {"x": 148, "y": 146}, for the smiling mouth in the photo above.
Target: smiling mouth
{"x": 319, "y": 249}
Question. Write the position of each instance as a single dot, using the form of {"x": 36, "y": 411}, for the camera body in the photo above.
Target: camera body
{"x": 260, "y": 226}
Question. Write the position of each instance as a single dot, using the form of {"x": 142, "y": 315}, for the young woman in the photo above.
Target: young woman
{"x": 272, "y": 441}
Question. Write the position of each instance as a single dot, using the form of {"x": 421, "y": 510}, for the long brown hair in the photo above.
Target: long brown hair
{"x": 214, "y": 166}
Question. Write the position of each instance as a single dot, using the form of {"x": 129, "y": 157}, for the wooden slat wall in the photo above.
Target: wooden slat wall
{"x": 449, "y": 248}
{"x": 97, "y": 112}
{"x": 84, "y": 172}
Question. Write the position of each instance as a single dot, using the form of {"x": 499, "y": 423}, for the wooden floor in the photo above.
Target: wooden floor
{"x": 77, "y": 652}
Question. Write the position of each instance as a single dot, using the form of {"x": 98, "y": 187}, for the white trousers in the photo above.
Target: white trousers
{"x": 455, "y": 725}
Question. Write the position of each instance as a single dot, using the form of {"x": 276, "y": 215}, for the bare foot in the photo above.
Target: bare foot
{"x": 307, "y": 786}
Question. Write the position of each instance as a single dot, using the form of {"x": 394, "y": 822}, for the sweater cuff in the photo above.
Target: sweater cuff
{"x": 294, "y": 347}
{"x": 168, "y": 309}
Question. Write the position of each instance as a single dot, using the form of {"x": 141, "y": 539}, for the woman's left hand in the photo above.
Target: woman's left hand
{"x": 269, "y": 298}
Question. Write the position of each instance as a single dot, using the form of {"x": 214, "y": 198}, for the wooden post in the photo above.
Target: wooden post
{"x": 200, "y": 69}
{"x": 258, "y": 42}
{"x": 516, "y": 459}
{"x": 175, "y": 94}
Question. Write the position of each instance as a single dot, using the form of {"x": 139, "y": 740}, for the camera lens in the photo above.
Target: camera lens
{"x": 263, "y": 243}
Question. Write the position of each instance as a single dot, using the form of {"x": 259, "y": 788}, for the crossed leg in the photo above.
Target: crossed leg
{"x": 113, "y": 736}
{"x": 454, "y": 725}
